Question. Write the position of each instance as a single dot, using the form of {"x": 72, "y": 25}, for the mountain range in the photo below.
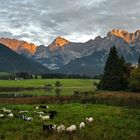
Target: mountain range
{"x": 63, "y": 56}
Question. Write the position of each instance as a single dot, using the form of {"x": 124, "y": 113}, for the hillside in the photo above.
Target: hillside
{"x": 10, "y": 61}
{"x": 88, "y": 65}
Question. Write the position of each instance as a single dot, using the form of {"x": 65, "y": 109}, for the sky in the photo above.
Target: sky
{"x": 41, "y": 21}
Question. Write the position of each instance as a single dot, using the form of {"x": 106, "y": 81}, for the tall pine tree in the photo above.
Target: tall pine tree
{"x": 115, "y": 72}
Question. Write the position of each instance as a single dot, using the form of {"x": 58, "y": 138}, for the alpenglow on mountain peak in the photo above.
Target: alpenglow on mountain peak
{"x": 58, "y": 42}
{"x": 128, "y": 37}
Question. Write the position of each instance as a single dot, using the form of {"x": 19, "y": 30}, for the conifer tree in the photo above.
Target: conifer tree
{"x": 115, "y": 72}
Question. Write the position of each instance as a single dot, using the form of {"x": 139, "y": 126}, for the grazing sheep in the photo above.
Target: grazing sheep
{"x": 40, "y": 113}
{"x": 89, "y": 120}
{"x": 11, "y": 115}
{"x": 24, "y": 111}
{"x": 44, "y": 118}
{"x": 44, "y": 106}
{"x": 82, "y": 125}
{"x": 36, "y": 107}
{"x": 25, "y": 118}
{"x": 28, "y": 118}
{"x": 52, "y": 114}
{"x": 71, "y": 129}
{"x": 1, "y": 115}
{"x": 60, "y": 128}
{"x": 7, "y": 110}
{"x": 49, "y": 127}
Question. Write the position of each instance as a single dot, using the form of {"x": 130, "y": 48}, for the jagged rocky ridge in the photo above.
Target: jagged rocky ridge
{"x": 63, "y": 55}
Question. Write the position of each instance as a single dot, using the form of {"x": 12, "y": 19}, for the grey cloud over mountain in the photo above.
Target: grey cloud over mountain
{"x": 40, "y": 21}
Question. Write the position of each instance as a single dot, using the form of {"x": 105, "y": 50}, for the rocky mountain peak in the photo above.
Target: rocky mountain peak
{"x": 58, "y": 42}
{"x": 19, "y": 46}
{"x": 128, "y": 37}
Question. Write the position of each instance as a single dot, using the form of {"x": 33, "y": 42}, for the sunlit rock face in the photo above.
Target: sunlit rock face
{"x": 128, "y": 37}
{"x": 21, "y": 47}
{"x": 58, "y": 42}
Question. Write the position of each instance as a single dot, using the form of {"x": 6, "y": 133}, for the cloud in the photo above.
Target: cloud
{"x": 42, "y": 21}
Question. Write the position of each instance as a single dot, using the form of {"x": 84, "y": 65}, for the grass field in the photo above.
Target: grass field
{"x": 40, "y": 82}
{"x": 68, "y": 86}
{"x": 110, "y": 123}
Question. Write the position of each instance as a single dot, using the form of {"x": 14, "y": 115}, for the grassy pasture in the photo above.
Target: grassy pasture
{"x": 110, "y": 123}
{"x": 68, "y": 86}
{"x": 41, "y": 82}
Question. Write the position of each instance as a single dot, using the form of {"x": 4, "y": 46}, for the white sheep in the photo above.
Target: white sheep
{"x": 89, "y": 120}
{"x": 36, "y": 107}
{"x": 11, "y": 115}
{"x": 54, "y": 127}
{"x": 29, "y": 119}
{"x": 44, "y": 118}
{"x": 71, "y": 129}
{"x": 60, "y": 128}
{"x": 81, "y": 125}
{"x": 40, "y": 113}
{"x": 24, "y": 111}
{"x": 7, "y": 110}
{"x": 1, "y": 115}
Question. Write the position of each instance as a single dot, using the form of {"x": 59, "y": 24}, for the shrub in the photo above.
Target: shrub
{"x": 134, "y": 80}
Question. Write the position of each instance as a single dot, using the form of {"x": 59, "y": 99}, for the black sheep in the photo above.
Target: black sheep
{"x": 49, "y": 127}
{"x": 52, "y": 114}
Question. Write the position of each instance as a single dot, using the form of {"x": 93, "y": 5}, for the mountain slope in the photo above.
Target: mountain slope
{"x": 13, "y": 62}
{"x": 88, "y": 65}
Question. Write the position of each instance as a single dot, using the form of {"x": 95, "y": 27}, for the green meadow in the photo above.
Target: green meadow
{"x": 110, "y": 123}
{"x": 41, "y": 82}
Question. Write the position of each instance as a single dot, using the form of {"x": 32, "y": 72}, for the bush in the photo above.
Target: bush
{"x": 134, "y": 80}
{"x": 58, "y": 84}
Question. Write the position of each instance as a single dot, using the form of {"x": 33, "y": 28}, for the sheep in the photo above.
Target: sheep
{"x": 7, "y": 110}
{"x": 24, "y": 111}
{"x": 49, "y": 127}
{"x": 43, "y": 106}
{"x": 89, "y": 120}
{"x": 71, "y": 129}
{"x": 1, "y": 115}
{"x": 25, "y": 118}
{"x": 28, "y": 118}
{"x": 11, "y": 115}
{"x": 36, "y": 107}
{"x": 44, "y": 118}
{"x": 52, "y": 114}
{"x": 60, "y": 128}
{"x": 81, "y": 125}
{"x": 40, "y": 113}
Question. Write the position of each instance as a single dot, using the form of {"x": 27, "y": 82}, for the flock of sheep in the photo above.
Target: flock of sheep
{"x": 70, "y": 129}
{"x": 46, "y": 127}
